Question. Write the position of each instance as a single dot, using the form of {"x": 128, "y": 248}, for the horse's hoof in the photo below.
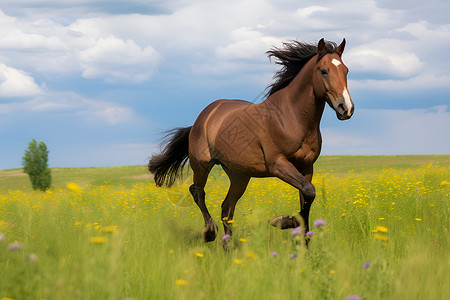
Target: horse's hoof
{"x": 209, "y": 233}
{"x": 283, "y": 222}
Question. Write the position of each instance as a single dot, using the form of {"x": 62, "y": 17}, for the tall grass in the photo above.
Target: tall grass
{"x": 110, "y": 241}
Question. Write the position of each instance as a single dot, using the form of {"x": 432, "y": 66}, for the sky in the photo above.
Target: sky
{"x": 99, "y": 80}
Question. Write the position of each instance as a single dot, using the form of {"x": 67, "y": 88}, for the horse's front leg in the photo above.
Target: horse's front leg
{"x": 305, "y": 203}
{"x": 287, "y": 172}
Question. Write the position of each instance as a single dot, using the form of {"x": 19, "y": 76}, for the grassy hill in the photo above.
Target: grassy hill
{"x": 386, "y": 235}
{"x": 128, "y": 175}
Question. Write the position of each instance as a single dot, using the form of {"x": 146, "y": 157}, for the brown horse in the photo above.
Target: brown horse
{"x": 279, "y": 137}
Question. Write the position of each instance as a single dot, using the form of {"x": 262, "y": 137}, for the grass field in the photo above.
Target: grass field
{"x": 109, "y": 233}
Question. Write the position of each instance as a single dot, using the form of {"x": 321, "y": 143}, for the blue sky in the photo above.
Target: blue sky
{"x": 98, "y": 80}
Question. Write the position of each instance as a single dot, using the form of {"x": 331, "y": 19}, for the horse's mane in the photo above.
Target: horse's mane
{"x": 293, "y": 56}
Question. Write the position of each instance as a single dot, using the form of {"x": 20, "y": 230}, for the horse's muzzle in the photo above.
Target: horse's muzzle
{"x": 344, "y": 112}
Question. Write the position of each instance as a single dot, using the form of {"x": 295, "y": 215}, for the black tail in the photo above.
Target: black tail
{"x": 166, "y": 167}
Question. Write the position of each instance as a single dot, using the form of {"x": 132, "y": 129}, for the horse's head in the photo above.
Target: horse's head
{"x": 330, "y": 81}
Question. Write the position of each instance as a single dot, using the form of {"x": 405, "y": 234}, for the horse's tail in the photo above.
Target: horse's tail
{"x": 166, "y": 167}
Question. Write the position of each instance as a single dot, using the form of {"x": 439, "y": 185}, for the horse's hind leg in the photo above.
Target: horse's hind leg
{"x": 201, "y": 172}
{"x": 238, "y": 184}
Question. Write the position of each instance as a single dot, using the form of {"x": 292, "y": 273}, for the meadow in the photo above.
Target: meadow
{"x": 109, "y": 233}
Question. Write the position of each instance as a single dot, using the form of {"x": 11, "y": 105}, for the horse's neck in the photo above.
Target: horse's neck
{"x": 298, "y": 99}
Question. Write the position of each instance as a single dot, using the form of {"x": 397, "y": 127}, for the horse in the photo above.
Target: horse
{"x": 279, "y": 137}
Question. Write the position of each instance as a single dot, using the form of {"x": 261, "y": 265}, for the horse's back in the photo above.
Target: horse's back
{"x": 208, "y": 123}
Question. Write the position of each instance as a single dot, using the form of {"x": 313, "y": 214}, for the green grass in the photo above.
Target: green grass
{"x": 155, "y": 251}
{"x": 14, "y": 179}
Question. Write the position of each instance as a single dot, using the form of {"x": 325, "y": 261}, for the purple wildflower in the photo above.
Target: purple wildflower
{"x": 296, "y": 230}
{"x": 293, "y": 255}
{"x": 319, "y": 223}
{"x": 225, "y": 237}
{"x": 274, "y": 254}
{"x": 366, "y": 265}
{"x": 310, "y": 233}
{"x": 353, "y": 297}
{"x": 14, "y": 246}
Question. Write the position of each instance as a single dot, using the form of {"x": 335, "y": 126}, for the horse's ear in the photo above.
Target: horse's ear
{"x": 340, "y": 48}
{"x": 321, "y": 47}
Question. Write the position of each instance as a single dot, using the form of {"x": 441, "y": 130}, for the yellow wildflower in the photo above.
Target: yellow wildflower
{"x": 181, "y": 282}
{"x": 381, "y": 237}
{"x": 73, "y": 187}
{"x": 98, "y": 240}
{"x": 238, "y": 261}
{"x": 198, "y": 254}
{"x": 381, "y": 229}
{"x": 109, "y": 229}
{"x": 242, "y": 240}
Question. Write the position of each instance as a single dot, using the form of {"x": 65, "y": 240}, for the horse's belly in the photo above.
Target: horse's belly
{"x": 241, "y": 155}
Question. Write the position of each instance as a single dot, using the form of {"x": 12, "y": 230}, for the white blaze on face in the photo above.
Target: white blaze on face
{"x": 335, "y": 62}
{"x": 348, "y": 101}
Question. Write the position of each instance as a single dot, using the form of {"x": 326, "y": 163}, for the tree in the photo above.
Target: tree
{"x": 35, "y": 164}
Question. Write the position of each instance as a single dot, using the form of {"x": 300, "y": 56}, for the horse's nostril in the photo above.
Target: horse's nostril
{"x": 341, "y": 108}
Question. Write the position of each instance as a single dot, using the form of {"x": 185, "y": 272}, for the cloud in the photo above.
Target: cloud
{"x": 200, "y": 35}
{"x": 247, "y": 44}
{"x": 370, "y": 60}
{"x": 114, "y": 59}
{"x": 17, "y": 83}
{"x": 310, "y": 10}
{"x": 112, "y": 114}
{"x": 77, "y": 62}
{"x": 71, "y": 105}
{"x": 49, "y": 47}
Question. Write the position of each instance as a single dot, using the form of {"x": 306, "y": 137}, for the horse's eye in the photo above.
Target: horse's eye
{"x": 324, "y": 72}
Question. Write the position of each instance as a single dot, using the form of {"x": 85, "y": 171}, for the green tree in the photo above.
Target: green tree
{"x": 35, "y": 164}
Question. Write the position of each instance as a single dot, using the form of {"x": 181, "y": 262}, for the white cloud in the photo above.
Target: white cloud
{"x": 50, "y": 47}
{"x": 130, "y": 47}
{"x": 71, "y": 104}
{"x": 73, "y": 45}
{"x": 383, "y": 57}
{"x": 17, "y": 83}
{"x": 308, "y": 11}
{"x": 425, "y": 30}
{"x": 114, "y": 59}
{"x": 113, "y": 114}
{"x": 247, "y": 44}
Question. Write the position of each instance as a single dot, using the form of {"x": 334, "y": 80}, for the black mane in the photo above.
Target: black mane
{"x": 293, "y": 56}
